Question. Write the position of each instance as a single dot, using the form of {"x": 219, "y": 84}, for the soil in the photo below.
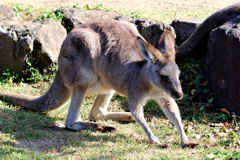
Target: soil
{"x": 128, "y": 5}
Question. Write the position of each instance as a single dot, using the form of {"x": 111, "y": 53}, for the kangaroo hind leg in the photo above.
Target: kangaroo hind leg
{"x": 74, "y": 121}
{"x": 100, "y": 106}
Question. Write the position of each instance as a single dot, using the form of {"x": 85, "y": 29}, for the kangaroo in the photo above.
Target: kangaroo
{"x": 106, "y": 56}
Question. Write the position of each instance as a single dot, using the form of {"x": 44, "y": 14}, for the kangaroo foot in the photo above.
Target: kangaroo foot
{"x": 190, "y": 145}
{"x": 90, "y": 126}
{"x": 105, "y": 129}
{"x": 160, "y": 145}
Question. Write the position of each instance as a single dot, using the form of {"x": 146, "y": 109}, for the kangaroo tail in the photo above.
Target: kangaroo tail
{"x": 213, "y": 21}
{"x": 56, "y": 96}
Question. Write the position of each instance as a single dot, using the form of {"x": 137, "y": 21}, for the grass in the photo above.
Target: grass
{"x": 29, "y": 12}
{"x": 168, "y": 15}
{"x": 30, "y": 135}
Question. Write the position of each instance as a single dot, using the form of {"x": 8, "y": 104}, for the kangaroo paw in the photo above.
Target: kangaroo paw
{"x": 105, "y": 129}
{"x": 160, "y": 145}
{"x": 190, "y": 145}
{"x": 90, "y": 126}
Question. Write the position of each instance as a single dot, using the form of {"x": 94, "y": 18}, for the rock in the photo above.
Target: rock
{"x": 151, "y": 30}
{"x": 49, "y": 36}
{"x": 125, "y": 18}
{"x": 222, "y": 64}
{"x": 184, "y": 28}
{"x": 74, "y": 17}
{"x": 13, "y": 42}
{"x": 7, "y": 15}
{"x": 39, "y": 42}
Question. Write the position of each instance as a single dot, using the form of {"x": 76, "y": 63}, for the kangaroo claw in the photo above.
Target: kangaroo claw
{"x": 160, "y": 145}
{"x": 190, "y": 145}
{"x": 105, "y": 129}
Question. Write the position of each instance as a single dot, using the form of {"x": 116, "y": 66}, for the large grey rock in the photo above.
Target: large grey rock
{"x": 14, "y": 40}
{"x": 74, "y": 17}
{"x": 48, "y": 39}
{"x": 39, "y": 42}
{"x": 185, "y": 27}
{"x": 151, "y": 30}
{"x": 223, "y": 64}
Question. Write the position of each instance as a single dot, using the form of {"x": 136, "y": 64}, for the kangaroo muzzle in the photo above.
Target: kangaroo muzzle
{"x": 176, "y": 90}
{"x": 178, "y": 95}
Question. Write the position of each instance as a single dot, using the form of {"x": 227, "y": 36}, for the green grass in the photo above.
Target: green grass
{"x": 29, "y": 135}
{"x": 168, "y": 15}
{"x": 28, "y": 12}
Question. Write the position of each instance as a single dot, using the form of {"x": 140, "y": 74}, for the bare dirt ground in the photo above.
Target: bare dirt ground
{"x": 128, "y": 4}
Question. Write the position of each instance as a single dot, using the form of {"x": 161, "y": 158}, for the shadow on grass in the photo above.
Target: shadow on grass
{"x": 38, "y": 132}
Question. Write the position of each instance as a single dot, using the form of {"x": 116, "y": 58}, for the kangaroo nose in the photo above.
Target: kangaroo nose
{"x": 179, "y": 95}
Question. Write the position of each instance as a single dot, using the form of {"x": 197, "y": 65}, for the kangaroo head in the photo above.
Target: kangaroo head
{"x": 163, "y": 70}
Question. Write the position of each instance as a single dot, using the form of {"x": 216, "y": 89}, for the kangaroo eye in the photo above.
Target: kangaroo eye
{"x": 165, "y": 78}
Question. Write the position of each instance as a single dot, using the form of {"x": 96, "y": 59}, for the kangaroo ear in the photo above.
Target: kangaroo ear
{"x": 144, "y": 51}
{"x": 167, "y": 45}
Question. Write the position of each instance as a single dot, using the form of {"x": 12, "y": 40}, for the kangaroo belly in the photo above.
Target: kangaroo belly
{"x": 97, "y": 88}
